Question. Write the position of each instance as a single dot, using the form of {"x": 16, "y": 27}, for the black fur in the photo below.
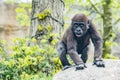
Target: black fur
{"x": 76, "y": 39}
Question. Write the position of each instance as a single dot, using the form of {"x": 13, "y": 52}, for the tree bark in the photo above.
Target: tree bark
{"x": 54, "y": 19}
{"x": 107, "y": 24}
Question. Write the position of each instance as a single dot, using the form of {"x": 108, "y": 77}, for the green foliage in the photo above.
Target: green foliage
{"x": 68, "y": 2}
{"x": 36, "y": 62}
{"x": 43, "y": 15}
{"x": 110, "y": 56}
{"x": 2, "y": 50}
{"x": 23, "y": 14}
{"x": 23, "y": 11}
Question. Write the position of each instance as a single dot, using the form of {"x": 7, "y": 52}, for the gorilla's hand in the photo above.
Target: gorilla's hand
{"x": 99, "y": 63}
{"x": 66, "y": 67}
{"x": 80, "y": 66}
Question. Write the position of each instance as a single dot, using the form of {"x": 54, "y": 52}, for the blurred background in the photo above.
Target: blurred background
{"x": 26, "y": 51}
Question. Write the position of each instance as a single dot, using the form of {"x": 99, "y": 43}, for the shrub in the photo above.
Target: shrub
{"x": 34, "y": 62}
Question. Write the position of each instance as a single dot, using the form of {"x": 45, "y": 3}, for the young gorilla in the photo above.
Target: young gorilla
{"x": 75, "y": 41}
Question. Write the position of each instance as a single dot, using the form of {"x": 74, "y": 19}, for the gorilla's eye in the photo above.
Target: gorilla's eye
{"x": 75, "y": 25}
{"x": 83, "y": 26}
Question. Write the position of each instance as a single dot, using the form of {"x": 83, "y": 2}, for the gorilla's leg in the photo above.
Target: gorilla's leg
{"x": 62, "y": 50}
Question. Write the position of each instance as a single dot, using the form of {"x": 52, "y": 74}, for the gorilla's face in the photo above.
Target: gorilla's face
{"x": 79, "y": 28}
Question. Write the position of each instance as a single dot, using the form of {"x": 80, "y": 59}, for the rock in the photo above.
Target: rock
{"x": 110, "y": 72}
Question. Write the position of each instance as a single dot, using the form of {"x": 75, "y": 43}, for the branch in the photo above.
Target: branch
{"x": 116, "y": 21}
{"x": 33, "y": 18}
{"x": 94, "y": 7}
{"x": 60, "y": 22}
{"x": 57, "y": 20}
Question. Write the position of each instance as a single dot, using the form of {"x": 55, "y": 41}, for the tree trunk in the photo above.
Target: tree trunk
{"x": 107, "y": 23}
{"x": 46, "y": 13}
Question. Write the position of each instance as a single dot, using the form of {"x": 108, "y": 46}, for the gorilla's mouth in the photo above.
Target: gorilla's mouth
{"x": 78, "y": 34}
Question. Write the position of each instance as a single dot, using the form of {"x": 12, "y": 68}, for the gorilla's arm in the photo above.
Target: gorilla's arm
{"x": 97, "y": 42}
{"x": 74, "y": 55}
{"x": 72, "y": 48}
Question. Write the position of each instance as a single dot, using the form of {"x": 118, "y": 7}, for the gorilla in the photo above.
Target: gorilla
{"x": 75, "y": 41}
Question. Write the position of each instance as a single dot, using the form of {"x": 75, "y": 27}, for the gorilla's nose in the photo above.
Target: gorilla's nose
{"x": 78, "y": 30}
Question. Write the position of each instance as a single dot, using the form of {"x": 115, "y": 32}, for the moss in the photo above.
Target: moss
{"x": 40, "y": 27}
{"x": 43, "y": 15}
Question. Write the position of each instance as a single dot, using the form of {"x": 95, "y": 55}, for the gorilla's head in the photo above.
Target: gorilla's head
{"x": 79, "y": 28}
{"x": 80, "y": 24}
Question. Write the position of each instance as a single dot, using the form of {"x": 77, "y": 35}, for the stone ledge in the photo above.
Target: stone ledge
{"x": 110, "y": 72}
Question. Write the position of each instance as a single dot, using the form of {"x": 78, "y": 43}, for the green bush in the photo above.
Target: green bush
{"x": 2, "y": 50}
{"x": 34, "y": 62}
